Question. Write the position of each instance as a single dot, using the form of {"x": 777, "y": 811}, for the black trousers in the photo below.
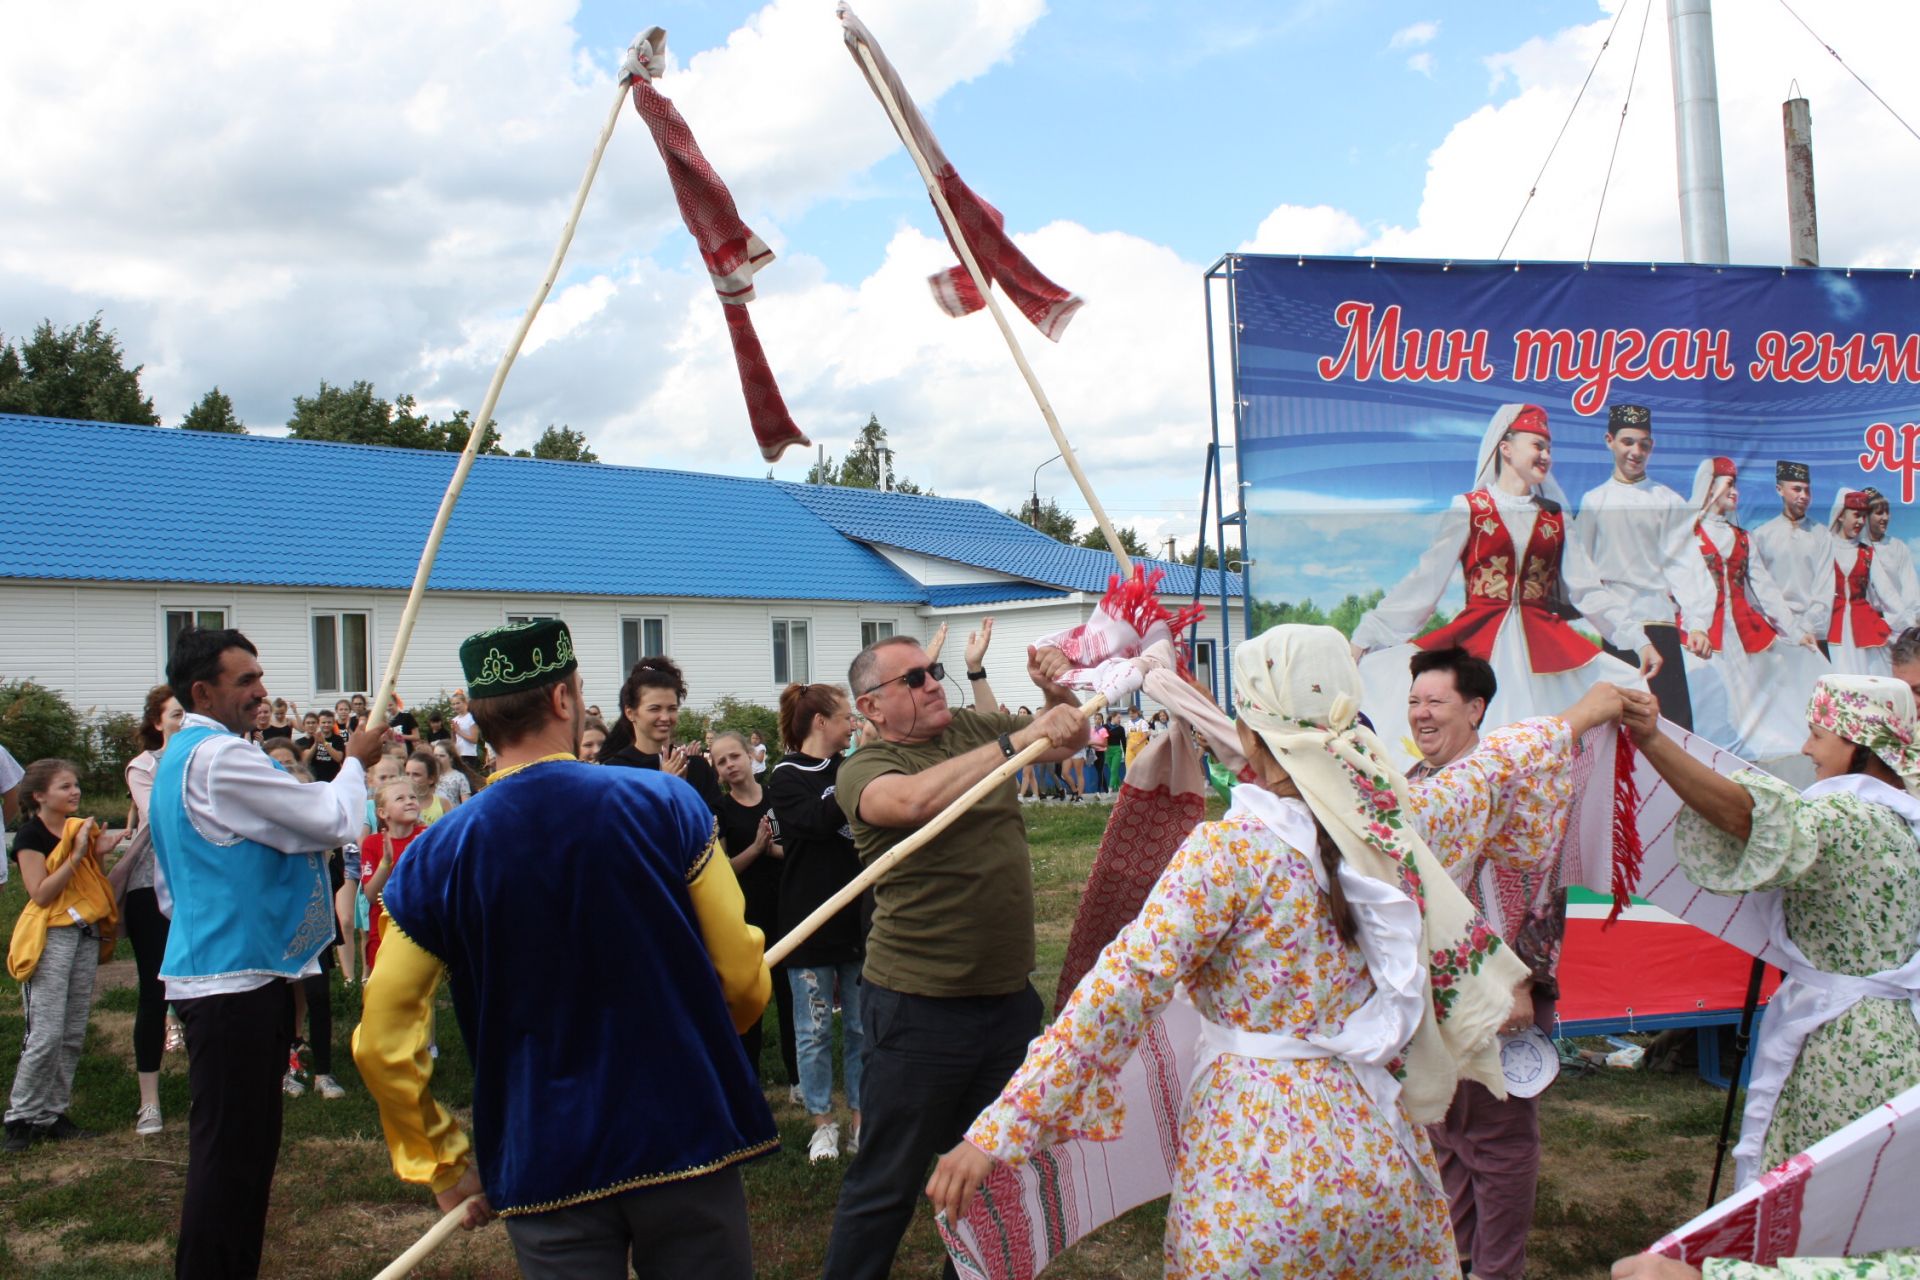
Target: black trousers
{"x": 755, "y": 1036}
{"x": 144, "y": 926}
{"x": 691, "y": 1229}
{"x": 236, "y": 1054}
{"x": 1670, "y": 684}
{"x": 933, "y": 1064}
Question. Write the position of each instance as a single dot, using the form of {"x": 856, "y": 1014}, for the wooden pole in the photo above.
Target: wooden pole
{"x": 1803, "y": 224}
{"x": 426, "y": 1244}
{"x": 941, "y": 821}
{"x": 980, "y": 282}
{"x": 390, "y": 676}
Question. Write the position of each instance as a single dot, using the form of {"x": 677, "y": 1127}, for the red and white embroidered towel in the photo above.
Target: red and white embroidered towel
{"x": 732, "y": 252}
{"x": 1040, "y": 300}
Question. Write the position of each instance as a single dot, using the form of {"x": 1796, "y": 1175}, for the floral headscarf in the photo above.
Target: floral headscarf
{"x": 1298, "y": 688}
{"x": 1875, "y": 712}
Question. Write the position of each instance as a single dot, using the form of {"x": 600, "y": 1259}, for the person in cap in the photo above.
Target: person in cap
{"x": 240, "y": 854}
{"x": 1749, "y": 656}
{"x": 1840, "y": 864}
{"x": 1867, "y": 609}
{"x": 1344, "y": 983}
{"x": 1892, "y": 557}
{"x": 1628, "y": 527}
{"x": 594, "y": 939}
{"x": 1508, "y": 540}
{"x": 1797, "y": 550}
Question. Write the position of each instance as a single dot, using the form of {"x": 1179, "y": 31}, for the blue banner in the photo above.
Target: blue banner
{"x": 1368, "y": 398}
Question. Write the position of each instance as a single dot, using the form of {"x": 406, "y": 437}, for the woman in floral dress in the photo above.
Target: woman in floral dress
{"x": 1344, "y": 983}
{"x": 1839, "y": 867}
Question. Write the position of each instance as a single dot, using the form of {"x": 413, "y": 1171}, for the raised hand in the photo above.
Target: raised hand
{"x": 977, "y": 642}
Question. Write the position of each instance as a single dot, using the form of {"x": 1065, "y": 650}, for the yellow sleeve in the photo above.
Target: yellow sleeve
{"x": 738, "y": 949}
{"x": 390, "y": 1049}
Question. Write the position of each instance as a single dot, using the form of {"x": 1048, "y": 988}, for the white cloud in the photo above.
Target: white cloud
{"x": 1414, "y": 35}
{"x": 1422, "y": 63}
{"x": 1316, "y": 229}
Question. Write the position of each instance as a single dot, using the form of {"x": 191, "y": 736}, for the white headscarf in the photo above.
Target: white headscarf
{"x": 1298, "y": 688}
{"x": 1705, "y": 489}
{"x": 1503, "y": 420}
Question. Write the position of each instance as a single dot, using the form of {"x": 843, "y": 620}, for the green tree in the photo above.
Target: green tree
{"x": 1212, "y": 560}
{"x": 450, "y": 436}
{"x": 868, "y": 464}
{"x": 355, "y": 415}
{"x": 1130, "y": 542}
{"x": 560, "y": 444}
{"x": 73, "y": 373}
{"x": 1051, "y": 520}
{"x": 213, "y": 413}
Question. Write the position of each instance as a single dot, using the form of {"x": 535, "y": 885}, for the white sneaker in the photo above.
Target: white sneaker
{"x": 291, "y": 1086}
{"x": 328, "y": 1087}
{"x": 148, "y": 1121}
{"x": 796, "y": 1097}
{"x": 824, "y": 1145}
{"x": 853, "y": 1141}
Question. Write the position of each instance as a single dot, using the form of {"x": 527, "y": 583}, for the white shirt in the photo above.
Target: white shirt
{"x": 464, "y": 725}
{"x": 1406, "y": 608}
{"x": 10, "y": 771}
{"x": 1629, "y": 531}
{"x": 1800, "y": 557}
{"x": 1892, "y": 564}
{"x": 235, "y": 792}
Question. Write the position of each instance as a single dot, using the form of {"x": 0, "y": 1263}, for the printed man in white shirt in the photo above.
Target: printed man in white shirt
{"x": 239, "y": 847}
{"x": 1798, "y": 550}
{"x": 1628, "y": 528}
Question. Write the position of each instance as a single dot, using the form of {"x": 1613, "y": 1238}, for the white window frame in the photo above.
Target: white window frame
{"x": 514, "y": 617}
{"x": 640, "y": 621}
{"x": 340, "y": 672}
{"x": 893, "y": 629}
{"x": 1206, "y": 653}
{"x": 195, "y": 610}
{"x": 804, "y": 676}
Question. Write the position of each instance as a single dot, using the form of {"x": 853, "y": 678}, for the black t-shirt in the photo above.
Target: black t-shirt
{"x": 820, "y": 857}
{"x": 324, "y": 761}
{"x": 700, "y": 775}
{"x": 276, "y": 731}
{"x": 34, "y": 834}
{"x": 760, "y": 882}
{"x": 404, "y": 723}
{"x": 442, "y": 734}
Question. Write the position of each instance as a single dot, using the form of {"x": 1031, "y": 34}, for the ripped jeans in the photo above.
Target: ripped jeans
{"x": 813, "y": 990}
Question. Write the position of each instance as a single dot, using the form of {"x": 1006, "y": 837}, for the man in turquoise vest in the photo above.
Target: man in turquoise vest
{"x": 240, "y": 850}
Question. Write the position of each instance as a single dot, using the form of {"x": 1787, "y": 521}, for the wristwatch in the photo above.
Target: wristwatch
{"x": 976, "y": 675}
{"x": 1006, "y": 746}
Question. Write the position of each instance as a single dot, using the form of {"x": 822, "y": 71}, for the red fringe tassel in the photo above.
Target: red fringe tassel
{"x": 1627, "y": 850}
{"x": 1136, "y": 602}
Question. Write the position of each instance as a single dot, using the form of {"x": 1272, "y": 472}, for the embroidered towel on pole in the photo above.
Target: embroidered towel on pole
{"x": 732, "y": 252}
{"x": 1040, "y": 300}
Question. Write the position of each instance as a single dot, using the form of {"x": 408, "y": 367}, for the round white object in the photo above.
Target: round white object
{"x": 1529, "y": 1062}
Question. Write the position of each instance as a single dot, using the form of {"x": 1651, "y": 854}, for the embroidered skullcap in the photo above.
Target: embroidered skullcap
{"x": 517, "y": 657}
{"x": 1725, "y": 467}
{"x": 1857, "y": 500}
{"x": 1531, "y": 419}
{"x": 1875, "y": 712}
{"x": 1788, "y": 472}
{"x": 1635, "y": 416}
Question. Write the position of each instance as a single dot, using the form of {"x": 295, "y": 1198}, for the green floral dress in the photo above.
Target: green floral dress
{"x": 1849, "y": 875}
{"x": 1882, "y": 1268}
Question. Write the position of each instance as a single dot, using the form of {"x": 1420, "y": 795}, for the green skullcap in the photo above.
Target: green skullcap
{"x": 513, "y": 659}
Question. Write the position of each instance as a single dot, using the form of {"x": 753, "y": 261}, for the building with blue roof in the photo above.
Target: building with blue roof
{"x": 114, "y": 537}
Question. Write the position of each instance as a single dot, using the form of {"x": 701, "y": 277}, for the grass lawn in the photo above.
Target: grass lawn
{"x": 1628, "y": 1154}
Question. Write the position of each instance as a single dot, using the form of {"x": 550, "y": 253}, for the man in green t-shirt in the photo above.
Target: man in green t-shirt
{"x": 945, "y": 995}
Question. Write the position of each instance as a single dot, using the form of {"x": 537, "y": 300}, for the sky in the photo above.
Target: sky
{"x": 259, "y": 198}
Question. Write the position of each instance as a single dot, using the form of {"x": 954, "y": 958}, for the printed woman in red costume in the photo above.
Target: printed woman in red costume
{"x": 1750, "y": 660}
{"x": 1508, "y": 540}
{"x": 1868, "y": 609}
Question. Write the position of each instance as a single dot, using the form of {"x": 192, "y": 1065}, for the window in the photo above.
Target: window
{"x": 179, "y": 620}
{"x": 792, "y": 653}
{"x": 873, "y": 632}
{"x": 641, "y": 638}
{"x": 342, "y": 661}
{"x": 1203, "y": 667}
{"x": 517, "y": 619}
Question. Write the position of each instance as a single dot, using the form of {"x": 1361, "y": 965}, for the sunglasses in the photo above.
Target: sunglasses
{"x": 914, "y": 678}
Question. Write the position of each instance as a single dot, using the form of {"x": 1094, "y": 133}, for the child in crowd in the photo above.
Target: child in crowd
{"x": 56, "y": 947}
{"x": 453, "y": 787}
{"x": 423, "y": 771}
{"x": 400, "y": 811}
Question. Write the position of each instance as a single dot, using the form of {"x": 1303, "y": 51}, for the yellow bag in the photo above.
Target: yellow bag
{"x": 87, "y": 892}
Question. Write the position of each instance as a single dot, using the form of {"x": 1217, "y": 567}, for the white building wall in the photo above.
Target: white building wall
{"x": 935, "y": 572}
{"x": 103, "y": 645}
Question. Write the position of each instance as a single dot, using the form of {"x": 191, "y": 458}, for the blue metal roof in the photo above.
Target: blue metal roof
{"x": 105, "y": 502}
{"x": 973, "y": 533}
{"x": 964, "y": 593}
